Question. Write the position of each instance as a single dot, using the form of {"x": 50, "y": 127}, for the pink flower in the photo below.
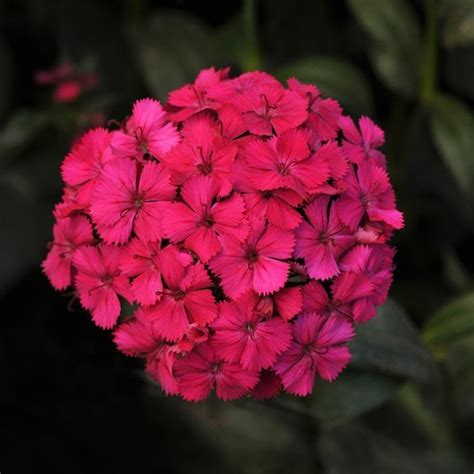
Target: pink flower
{"x": 235, "y": 91}
{"x": 277, "y": 205}
{"x": 83, "y": 165}
{"x": 68, "y": 234}
{"x": 99, "y": 282}
{"x": 243, "y": 334}
{"x": 271, "y": 108}
{"x": 324, "y": 114}
{"x": 146, "y": 132}
{"x": 318, "y": 348}
{"x": 361, "y": 146}
{"x": 140, "y": 260}
{"x": 202, "y": 370}
{"x": 192, "y": 98}
{"x": 348, "y": 290}
{"x": 137, "y": 337}
{"x": 285, "y": 162}
{"x": 286, "y": 303}
{"x": 219, "y": 226}
{"x": 369, "y": 192}
{"x": 200, "y": 222}
{"x": 269, "y": 385}
{"x": 322, "y": 239}
{"x": 202, "y": 152}
{"x": 375, "y": 263}
{"x": 186, "y": 298}
{"x": 130, "y": 198}
{"x": 258, "y": 263}
{"x": 68, "y": 91}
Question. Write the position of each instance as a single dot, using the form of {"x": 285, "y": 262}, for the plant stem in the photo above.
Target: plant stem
{"x": 251, "y": 59}
{"x": 430, "y": 64}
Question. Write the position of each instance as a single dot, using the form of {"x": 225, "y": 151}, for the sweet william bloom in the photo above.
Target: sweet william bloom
{"x": 247, "y": 222}
{"x": 99, "y": 283}
{"x": 83, "y": 165}
{"x": 193, "y": 98}
{"x": 270, "y": 108}
{"x": 147, "y": 131}
{"x": 186, "y": 297}
{"x": 68, "y": 234}
{"x": 137, "y": 337}
{"x": 322, "y": 239}
{"x": 258, "y": 263}
{"x": 318, "y": 349}
{"x": 285, "y": 162}
{"x": 323, "y": 114}
{"x": 362, "y": 145}
{"x": 199, "y": 221}
{"x": 244, "y": 335}
{"x": 67, "y": 92}
{"x": 140, "y": 260}
{"x": 369, "y": 192}
{"x": 204, "y": 152}
{"x": 130, "y": 197}
{"x": 269, "y": 385}
{"x": 202, "y": 370}
{"x": 235, "y": 91}
{"x": 286, "y": 303}
{"x": 376, "y": 264}
{"x": 347, "y": 290}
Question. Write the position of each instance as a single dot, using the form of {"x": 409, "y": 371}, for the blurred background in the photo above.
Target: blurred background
{"x": 71, "y": 403}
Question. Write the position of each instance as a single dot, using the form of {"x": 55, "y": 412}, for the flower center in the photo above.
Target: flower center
{"x": 252, "y": 256}
{"x": 178, "y": 295}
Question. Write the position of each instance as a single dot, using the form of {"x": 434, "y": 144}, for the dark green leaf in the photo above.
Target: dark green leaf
{"x": 458, "y": 28}
{"x": 452, "y": 127}
{"x": 389, "y": 344}
{"x": 452, "y": 323}
{"x": 172, "y": 47}
{"x": 395, "y": 41}
{"x": 336, "y": 78}
{"x": 19, "y": 131}
{"x": 350, "y": 395}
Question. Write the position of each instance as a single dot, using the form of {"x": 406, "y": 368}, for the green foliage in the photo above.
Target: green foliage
{"x": 395, "y": 40}
{"x": 172, "y": 48}
{"x": 452, "y": 126}
{"x": 458, "y": 27}
{"x": 451, "y": 324}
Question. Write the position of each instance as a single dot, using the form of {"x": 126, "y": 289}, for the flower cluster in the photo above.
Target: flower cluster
{"x": 245, "y": 223}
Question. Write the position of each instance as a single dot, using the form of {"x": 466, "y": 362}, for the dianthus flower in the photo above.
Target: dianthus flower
{"x": 232, "y": 238}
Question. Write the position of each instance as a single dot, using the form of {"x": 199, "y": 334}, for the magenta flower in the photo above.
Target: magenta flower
{"x": 202, "y": 370}
{"x": 285, "y": 162}
{"x": 318, "y": 349}
{"x": 129, "y": 198}
{"x": 147, "y": 131}
{"x": 323, "y": 114}
{"x": 271, "y": 108}
{"x": 348, "y": 290}
{"x": 202, "y": 152}
{"x": 246, "y": 336}
{"x": 69, "y": 234}
{"x": 83, "y": 165}
{"x": 376, "y": 264}
{"x": 193, "y": 98}
{"x": 140, "y": 260}
{"x": 322, "y": 239}
{"x": 99, "y": 283}
{"x": 200, "y": 222}
{"x": 245, "y": 222}
{"x": 362, "y": 145}
{"x": 256, "y": 264}
{"x": 369, "y": 192}
{"x": 186, "y": 297}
